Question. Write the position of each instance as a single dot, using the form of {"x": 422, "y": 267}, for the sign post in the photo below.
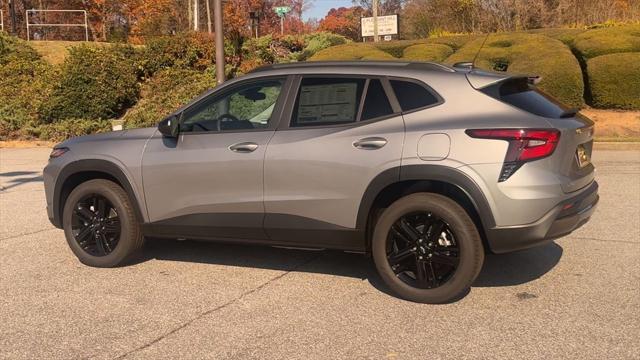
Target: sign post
{"x": 282, "y": 11}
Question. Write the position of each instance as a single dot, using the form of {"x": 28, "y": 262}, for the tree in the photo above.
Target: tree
{"x": 343, "y": 21}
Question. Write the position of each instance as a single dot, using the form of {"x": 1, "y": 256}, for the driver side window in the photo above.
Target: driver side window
{"x": 243, "y": 108}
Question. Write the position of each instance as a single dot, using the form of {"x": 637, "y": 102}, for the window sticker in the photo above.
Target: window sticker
{"x": 327, "y": 103}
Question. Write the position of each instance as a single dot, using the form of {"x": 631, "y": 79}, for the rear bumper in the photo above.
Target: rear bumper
{"x": 560, "y": 221}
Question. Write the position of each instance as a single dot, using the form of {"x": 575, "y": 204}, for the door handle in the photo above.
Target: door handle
{"x": 244, "y": 147}
{"x": 370, "y": 143}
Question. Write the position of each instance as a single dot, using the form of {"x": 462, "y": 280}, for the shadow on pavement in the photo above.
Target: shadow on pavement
{"x": 498, "y": 270}
{"x": 20, "y": 181}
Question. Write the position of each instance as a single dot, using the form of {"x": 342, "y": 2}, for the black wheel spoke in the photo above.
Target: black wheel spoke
{"x": 101, "y": 211}
{"x": 443, "y": 259}
{"x": 83, "y": 233}
{"x": 399, "y": 234}
{"x": 409, "y": 230}
{"x": 421, "y": 274}
{"x": 431, "y": 273}
{"x": 84, "y": 213}
{"x": 396, "y": 258}
{"x": 100, "y": 245}
{"x": 435, "y": 231}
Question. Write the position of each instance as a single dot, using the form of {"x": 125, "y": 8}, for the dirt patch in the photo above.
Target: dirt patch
{"x": 613, "y": 125}
{"x": 26, "y": 144}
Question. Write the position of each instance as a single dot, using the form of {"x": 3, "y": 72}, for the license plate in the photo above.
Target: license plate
{"x": 583, "y": 156}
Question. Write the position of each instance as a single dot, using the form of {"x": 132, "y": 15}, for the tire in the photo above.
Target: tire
{"x": 123, "y": 246}
{"x": 455, "y": 230}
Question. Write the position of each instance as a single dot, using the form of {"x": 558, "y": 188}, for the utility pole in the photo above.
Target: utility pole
{"x": 217, "y": 13}
{"x": 12, "y": 14}
{"x": 208, "y": 17}
{"x": 196, "y": 26}
{"x": 376, "y": 38}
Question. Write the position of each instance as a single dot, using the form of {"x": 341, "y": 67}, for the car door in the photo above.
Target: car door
{"x": 342, "y": 132}
{"x": 208, "y": 182}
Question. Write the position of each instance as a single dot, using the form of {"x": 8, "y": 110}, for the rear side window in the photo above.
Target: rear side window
{"x": 327, "y": 101}
{"x": 519, "y": 93}
{"x": 376, "y": 103}
{"x": 412, "y": 96}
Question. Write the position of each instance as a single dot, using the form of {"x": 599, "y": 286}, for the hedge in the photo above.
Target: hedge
{"x": 596, "y": 42}
{"x": 348, "y": 52}
{"x": 94, "y": 83}
{"x": 533, "y": 55}
{"x": 427, "y": 52}
{"x": 615, "y": 81}
{"x": 25, "y": 84}
{"x": 166, "y": 91}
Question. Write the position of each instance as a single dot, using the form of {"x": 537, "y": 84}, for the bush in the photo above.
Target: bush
{"x": 320, "y": 41}
{"x": 427, "y": 52}
{"x": 615, "y": 81}
{"x": 351, "y": 52}
{"x": 596, "y": 42}
{"x": 68, "y": 128}
{"x": 94, "y": 83}
{"x": 25, "y": 83}
{"x": 534, "y": 55}
{"x": 185, "y": 50}
{"x": 165, "y": 92}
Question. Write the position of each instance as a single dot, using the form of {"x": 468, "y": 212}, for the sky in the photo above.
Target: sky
{"x": 319, "y": 8}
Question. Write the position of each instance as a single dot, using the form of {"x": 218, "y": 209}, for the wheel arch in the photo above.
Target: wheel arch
{"x": 397, "y": 182}
{"x": 77, "y": 172}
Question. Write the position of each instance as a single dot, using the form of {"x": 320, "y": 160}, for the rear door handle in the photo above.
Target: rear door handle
{"x": 370, "y": 143}
{"x": 243, "y": 147}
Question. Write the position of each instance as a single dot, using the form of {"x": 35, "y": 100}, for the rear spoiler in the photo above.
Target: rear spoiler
{"x": 480, "y": 79}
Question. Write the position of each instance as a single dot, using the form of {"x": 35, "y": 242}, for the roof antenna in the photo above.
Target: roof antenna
{"x": 473, "y": 63}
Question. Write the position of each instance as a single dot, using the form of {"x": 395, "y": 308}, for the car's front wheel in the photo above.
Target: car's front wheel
{"x": 426, "y": 248}
{"x": 100, "y": 224}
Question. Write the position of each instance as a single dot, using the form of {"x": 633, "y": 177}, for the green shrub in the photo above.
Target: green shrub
{"x": 610, "y": 40}
{"x": 185, "y": 50}
{"x": 533, "y": 55}
{"x": 567, "y": 36}
{"x": 68, "y": 128}
{"x": 166, "y": 91}
{"x": 395, "y": 48}
{"x": 94, "y": 83}
{"x": 427, "y": 52}
{"x": 454, "y": 41}
{"x": 351, "y": 52}
{"x": 615, "y": 81}
{"x": 25, "y": 83}
{"x": 318, "y": 41}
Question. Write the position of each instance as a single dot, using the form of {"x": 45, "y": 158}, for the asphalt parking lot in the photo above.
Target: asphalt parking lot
{"x": 578, "y": 297}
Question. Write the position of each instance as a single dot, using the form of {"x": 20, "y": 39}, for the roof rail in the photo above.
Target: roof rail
{"x": 311, "y": 64}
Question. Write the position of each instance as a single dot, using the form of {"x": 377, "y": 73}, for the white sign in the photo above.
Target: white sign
{"x": 387, "y": 25}
{"x": 334, "y": 103}
{"x": 387, "y": 38}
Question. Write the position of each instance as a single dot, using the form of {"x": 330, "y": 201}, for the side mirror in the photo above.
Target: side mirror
{"x": 170, "y": 127}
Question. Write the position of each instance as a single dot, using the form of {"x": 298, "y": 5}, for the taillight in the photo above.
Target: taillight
{"x": 524, "y": 145}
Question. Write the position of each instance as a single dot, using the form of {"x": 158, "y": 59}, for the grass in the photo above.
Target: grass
{"x": 54, "y": 52}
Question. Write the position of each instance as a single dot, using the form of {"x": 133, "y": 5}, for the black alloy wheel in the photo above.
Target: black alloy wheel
{"x": 95, "y": 225}
{"x": 422, "y": 250}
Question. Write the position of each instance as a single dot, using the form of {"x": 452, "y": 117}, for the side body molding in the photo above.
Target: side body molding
{"x": 96, "y": 165}
{"x": 426, "y": 172}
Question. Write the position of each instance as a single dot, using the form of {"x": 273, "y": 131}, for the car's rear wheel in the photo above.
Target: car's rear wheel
{"x": 426, "y": 248}
{"x": 100, "y": 224}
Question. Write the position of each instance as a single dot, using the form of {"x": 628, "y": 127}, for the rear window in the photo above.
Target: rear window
{"x": 376, "y": 103}
{"x": 520, "y": 94}
{"x": 412, "y": 96}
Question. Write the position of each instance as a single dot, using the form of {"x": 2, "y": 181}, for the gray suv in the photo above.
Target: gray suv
{"x": 423, "y": 166}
